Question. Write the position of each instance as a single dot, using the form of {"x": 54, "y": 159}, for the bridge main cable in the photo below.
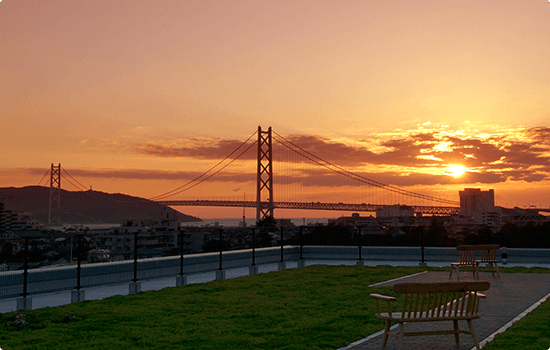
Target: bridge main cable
{"x": 347, "y": 173}
{"x": 191, "y": 183}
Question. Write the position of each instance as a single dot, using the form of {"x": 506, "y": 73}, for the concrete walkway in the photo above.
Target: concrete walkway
{"x": 509, "y": 299}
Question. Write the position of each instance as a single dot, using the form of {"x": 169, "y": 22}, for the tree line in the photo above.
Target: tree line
{"x": 435, "y": 235}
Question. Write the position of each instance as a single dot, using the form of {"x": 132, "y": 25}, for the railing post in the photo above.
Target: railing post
{"x": 282, "y": 243}
{"x": 423, "y": 262}
{"x": 78, "y": 259}
{"x": 504, "y": 256}
{"x": 24, "y": 302}
{"x": 221, "y": 249}
{"x": 26, "y": 268}
{"x": 135, "y": 286}
{"x": 220, "y": 273}
{"x": 77, "y": 294}
{"x": 253, "y": 269}
{"x": 135, "y": 256}
{"x": 181, "y": 280}
{"x": 253, "y": 246}
{"x": 282, "y": 264}
{"x": 360, "y": 246}
{"x": 301, "y": 262}
{"x": 181, "y": 253}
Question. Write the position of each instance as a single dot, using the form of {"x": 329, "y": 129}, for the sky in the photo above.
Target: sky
{"x": 138, "y": 97}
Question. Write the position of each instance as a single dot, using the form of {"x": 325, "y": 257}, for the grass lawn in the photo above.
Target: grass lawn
{"x": 530, "y": 333}
{"x": 317, "y": 307}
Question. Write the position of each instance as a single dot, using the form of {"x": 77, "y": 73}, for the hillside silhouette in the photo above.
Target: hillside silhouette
{"x": 88, "y": 207}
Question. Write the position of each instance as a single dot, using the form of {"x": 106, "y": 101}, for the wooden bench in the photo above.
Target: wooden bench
{"x": 432, "y": 302}
{"x": 489, "y": 256}
{"x": 468, "y": 257}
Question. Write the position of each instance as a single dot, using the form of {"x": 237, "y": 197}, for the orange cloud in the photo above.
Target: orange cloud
{"x": 520, "y": 154}
{"x": 198, "y": 149}
{"x": 140, "y": 174}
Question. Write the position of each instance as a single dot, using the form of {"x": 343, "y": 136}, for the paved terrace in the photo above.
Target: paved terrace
{"x": 509, "y": 299}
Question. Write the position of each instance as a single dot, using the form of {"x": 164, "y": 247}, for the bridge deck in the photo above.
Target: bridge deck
{"x": 435, "y": 210}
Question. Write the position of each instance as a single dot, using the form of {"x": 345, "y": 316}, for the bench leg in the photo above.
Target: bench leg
{"x": 451, "y": 272}
{"x": 401, "y": 336}
{"x": 494, "y": 267}
{"x": 385, "y": 340}
{"x": 457, "y": 336}
{"x": 471, "y": 326}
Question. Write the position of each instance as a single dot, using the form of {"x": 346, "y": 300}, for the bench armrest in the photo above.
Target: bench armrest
{"x": 382, "y": 297}
{"x": 479, "y": 295}
{"x": 386, "y": 298}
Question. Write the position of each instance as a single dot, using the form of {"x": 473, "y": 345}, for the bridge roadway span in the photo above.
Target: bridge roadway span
{"x": 311, "y": 205}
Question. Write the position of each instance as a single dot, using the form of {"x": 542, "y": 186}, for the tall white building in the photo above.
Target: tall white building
{"x": 479, "y": 206}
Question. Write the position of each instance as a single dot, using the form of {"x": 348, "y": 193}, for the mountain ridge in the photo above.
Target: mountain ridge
{"x": 84, "y": 207}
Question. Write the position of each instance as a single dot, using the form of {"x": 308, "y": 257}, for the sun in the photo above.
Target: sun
{"x": 456, "y": 170}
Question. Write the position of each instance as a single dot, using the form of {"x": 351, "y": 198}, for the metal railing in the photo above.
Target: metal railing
{"x": 22, "y": 273}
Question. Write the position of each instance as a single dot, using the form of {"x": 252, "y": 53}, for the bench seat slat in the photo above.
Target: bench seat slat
{"x": 425, "y": 317}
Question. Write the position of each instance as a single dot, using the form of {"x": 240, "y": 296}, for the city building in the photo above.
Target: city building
{"x": 355, "y": 220}
{"x": 395, "y": 215}
{"x": 3, "y": 225}
{"x": 16, "y": 220}
{"x": 479, "y": 206}
{"x": 397, "y": 210}
{"x": 155, "y": 237}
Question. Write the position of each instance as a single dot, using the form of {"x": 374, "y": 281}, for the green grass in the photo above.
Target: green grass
{"x": 530, "y": 333}
{"x": 317, "y": 307}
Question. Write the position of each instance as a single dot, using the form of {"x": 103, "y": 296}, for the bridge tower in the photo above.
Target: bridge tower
{"x": 264, "y": 190}
{"x": 55, "y": 194}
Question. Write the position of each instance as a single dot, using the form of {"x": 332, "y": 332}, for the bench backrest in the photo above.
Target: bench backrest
{"x": 488, "y": 252}
{"x": 434, "y": 301}
{"x": 467, "y": 254}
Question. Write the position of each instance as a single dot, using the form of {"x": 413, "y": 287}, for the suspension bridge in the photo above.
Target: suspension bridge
{"x": 295, "y": 171}
{"x": 265, "y": 203}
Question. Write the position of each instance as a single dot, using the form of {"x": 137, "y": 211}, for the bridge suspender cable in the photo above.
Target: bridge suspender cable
{"x": 354, "y": 176}
{"x": 183, "y": 188}
{"x": 82, "y": 187}
{"x": 43, "y": 177}
{"x": 217, "y": 171}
